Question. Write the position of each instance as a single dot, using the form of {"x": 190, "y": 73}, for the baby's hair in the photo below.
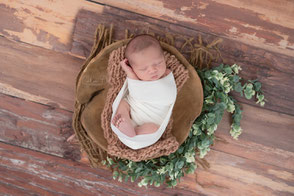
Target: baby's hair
{"x": 141, "y": 42}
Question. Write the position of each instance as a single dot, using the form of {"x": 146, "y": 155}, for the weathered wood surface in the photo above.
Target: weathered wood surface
{"x": 38, "y": 74}
{"x": 272, "y": 69}
{"x": 265, "y": 24}
{"x": 232, "y": 175}
{"x": 47, "y": 24}
{"x": 37, "y": 127}
{"x": 260, "y": 163}
{"x": 267, "y": 137}
{"x": 32, "y": 172}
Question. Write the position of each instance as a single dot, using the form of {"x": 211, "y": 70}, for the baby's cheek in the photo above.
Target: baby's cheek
{"x": 142, "y": 76}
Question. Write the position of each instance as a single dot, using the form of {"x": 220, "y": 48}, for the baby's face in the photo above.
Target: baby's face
{"x": 148, "y": 64}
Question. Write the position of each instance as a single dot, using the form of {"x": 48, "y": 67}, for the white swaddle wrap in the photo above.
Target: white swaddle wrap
{"x": 150, "y": 101}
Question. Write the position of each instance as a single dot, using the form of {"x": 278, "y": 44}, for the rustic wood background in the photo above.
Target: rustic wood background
{"x": 44, "y": 43}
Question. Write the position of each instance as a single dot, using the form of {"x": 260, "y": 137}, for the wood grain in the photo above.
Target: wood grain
{"x": 48, "y": 24}
{"x": 232, "y": 175}
{"x": 38, "y": 74}
{"x": 265, "y": 24}
{"x": 37, "y": 127}
{"x": 42, "y": 174}
{"x": 38, "y": 173}
{"x": 270, "y": 68}
{"x": 267, "y": 137}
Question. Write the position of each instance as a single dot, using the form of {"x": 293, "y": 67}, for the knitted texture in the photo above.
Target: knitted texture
{"x": 116, "y": 77}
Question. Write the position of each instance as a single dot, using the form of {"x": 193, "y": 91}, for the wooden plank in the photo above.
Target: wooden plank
{"x": 228, "y": 174}
{"x": 232, "y": 175}
{"x": 47, "y": 24}
{"x": 38, "y": 74}
{"x": 270, "y": 68}
{"x": 259, "y": 142}
{"x": 42, "y": 174}
{"x": 265, "y": 24}
{"x": 261, "y": 24}
{"x": 38, "y": 127}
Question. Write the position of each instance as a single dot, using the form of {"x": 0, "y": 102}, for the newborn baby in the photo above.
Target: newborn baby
{"x": 150, "y": 89}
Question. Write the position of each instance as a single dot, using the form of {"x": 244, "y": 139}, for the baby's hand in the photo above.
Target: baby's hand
{"x": 128, "y": 69}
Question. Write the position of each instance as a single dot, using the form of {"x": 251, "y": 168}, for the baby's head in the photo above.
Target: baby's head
{"x": 146, "y": 58}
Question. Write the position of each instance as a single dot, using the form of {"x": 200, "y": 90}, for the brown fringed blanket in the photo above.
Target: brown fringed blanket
{"x": 98, "y": 83}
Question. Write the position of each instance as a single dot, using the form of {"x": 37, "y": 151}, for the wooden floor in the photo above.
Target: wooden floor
{"x": 44, "y": 43}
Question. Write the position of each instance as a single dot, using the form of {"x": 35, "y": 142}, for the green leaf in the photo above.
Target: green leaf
{"x": 110, "y": 161}
{"x": 115, "y": 175}
{"x": 138, "y": 170}
{"x": 181, "y": 149}
{"x": 249, "y": 87}
{"x": 236, "y": 78}
{"x": 174, "y": 182}
{"x": 120, "y": 177}
{"x": 180, "y": 164}
{"x": 126, "y": 178}
{"x": 228, "y": 70}
{"x": 236, "y": 68}
{"x": 211, "y": 117}
{"x": 257, "y": 86}
{"x": 156, "y": 184}
{"x": 162, "y": 160}
{"x": 238, "y": 87}
{"x": 132, "y": 178}
{"x": 144, "y": 181}
{"x": 151, "y": 181}
{"x": 249, "y": 93}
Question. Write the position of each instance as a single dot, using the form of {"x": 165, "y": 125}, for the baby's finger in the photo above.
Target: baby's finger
{"x": 124, "y": 60}
{"x": 126, "y": 67}
{"x": 122, "y": 63}
{"x": 128, "y": 71}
